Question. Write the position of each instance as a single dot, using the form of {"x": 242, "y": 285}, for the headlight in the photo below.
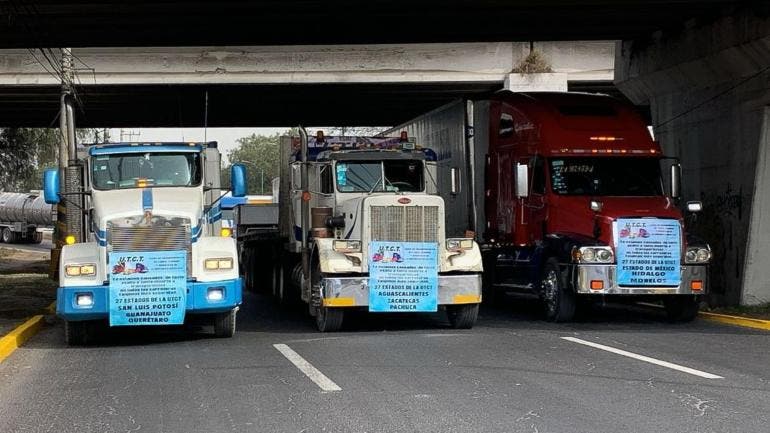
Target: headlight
{"x": 697, "y": 255}
{"x": 86, "y": 270}
{"x": 459, "y": 244}
{"x": 593, "y": 255}
{"x": 346, "y": 246}
{"x": 218, "y": 264}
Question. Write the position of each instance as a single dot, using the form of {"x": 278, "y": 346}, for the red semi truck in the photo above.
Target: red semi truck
{"x": 570, "y": 198}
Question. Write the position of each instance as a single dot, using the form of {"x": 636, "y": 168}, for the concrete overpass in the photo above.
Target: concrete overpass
{"x": 276, "y": 85}
{"x": 703, "y": 67}
{"x": 86, "y": 23}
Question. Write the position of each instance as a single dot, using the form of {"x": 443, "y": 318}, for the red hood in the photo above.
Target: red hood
{"x": 573, "y": 213}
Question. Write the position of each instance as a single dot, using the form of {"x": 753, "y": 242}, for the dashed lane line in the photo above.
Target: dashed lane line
{"x": 307, "y": 368}
{"x": 659, "y": 362}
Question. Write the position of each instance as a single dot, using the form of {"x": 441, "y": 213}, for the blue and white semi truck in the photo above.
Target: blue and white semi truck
{"x": 154, "y": 251}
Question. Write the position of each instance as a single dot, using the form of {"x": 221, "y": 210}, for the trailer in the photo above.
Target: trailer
{"x": 570, "y": 198}
{"x": 22, "y": 216}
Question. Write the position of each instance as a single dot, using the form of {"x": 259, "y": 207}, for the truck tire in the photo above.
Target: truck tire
{"x": 224, "y": 324}
{"x": 7, "y": 236}
{"x": 328, "y": 319}
{"x": 37, "y": 238}
{"x": 278, "y": 282}
{"x": 80, "y": 333}
{"x": 462, "y": 316}
{"x": 681, "y": 308}
{"x": 558, "y": 298}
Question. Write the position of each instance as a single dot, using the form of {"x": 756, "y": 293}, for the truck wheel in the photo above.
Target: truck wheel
{"x": 7, "y": 236}
{"x": 37, "y": 237}
{"x": 558, "y": 299}
{"x": 224, "y": 324}
{"x": 681, "y": 308}
{"x": 329, "y": 319}
{"x": 80, "y": 333}
{"x": 462, "y": 316}
{"x": 278, "y": 282}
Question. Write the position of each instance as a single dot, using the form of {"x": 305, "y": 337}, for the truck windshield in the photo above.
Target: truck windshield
{"x": 132, "y": 170}
{"x": 606, "y": 176}
{"x": 366, "y": 176}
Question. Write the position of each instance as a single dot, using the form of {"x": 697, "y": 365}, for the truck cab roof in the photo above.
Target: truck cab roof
{"x": 574, "y": 123}
{"x": 376, "y": 155}
{"x": 141, "y": 147}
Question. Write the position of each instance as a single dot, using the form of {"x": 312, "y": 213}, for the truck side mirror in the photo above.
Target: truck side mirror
{"x": 676, "y": 181}
{"x": 521, "y": 176}
{"x": 51, "y": 186}
{"x": 238, "y": 180}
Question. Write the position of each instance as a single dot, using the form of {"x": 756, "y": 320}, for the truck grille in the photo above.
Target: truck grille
{"x": 405, "y": 223}
{"x": 150, "y": 238}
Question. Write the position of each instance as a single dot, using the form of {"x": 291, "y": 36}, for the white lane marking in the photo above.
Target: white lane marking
{"x": 311, "y": 372}
{"x": 645, "y": 358}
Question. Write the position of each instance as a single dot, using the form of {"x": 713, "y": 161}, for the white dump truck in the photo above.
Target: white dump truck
{"x": 360, "y": 226}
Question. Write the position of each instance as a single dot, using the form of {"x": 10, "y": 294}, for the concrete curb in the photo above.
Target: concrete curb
{"x": 746, "y": 322}
{"x": 16, "y": 338}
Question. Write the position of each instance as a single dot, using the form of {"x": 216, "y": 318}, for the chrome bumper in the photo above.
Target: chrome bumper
{"x": 585, "y": 274}
{"x": 354, "y": 291}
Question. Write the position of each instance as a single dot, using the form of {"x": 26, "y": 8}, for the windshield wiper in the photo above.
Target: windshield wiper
{"x": 374, "y": 186}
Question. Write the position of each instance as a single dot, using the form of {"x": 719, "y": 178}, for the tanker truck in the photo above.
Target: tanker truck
{"x": 359, "y": 226}
{"x": 571, "y": 198}
{"x": 154, "y": 252}
{"x": 21, "y": 217}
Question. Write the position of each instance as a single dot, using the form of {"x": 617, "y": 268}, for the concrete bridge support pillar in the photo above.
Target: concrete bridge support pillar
{"x": 708, "y": 87}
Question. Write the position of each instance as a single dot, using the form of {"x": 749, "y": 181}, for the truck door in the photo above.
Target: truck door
{"x": 535, "y": 203}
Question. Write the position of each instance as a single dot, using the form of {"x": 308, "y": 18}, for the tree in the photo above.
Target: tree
{"x": 24, "y": 154}
{"x": 260, "y": 154}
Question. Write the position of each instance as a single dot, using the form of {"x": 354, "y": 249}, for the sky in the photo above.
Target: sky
{"x": 226, "y": 137}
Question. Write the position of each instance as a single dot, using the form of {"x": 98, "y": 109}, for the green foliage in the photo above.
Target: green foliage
{"x": 24, "y": 154}
{"x": 260, "y": 155}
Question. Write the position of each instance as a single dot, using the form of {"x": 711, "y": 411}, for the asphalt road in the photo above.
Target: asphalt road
{"x": 511, "y": 373}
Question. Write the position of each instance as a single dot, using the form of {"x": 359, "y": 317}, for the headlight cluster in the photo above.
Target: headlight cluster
{"x": 86, "y": 270}
{"x": 346, "y": 246}
{"x": 459, "y": 244}
{"x": 697, "y": 255}
{"x": 593, "y": 255}
{"x": 218, "y": 264}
